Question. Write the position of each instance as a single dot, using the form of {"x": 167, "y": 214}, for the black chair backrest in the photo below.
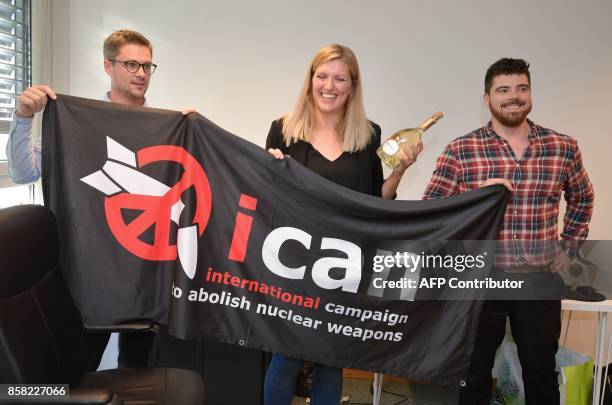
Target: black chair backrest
{"x": 42, "y": 338}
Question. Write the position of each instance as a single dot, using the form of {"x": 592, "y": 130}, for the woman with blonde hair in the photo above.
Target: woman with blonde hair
{"x": 328, "y": 132}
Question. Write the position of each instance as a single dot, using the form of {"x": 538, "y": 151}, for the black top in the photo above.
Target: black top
{"x": 344, "y": 170}
{"x": 361, "y": 171}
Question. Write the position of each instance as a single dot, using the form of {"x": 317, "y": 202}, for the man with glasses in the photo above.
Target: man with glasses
{"x": 128, "y": 62}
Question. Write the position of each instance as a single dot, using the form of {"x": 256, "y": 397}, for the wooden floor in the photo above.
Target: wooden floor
{"x": 396, "y": 391}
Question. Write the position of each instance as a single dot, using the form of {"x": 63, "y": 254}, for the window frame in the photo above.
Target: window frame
{"x": 25, "y": 6}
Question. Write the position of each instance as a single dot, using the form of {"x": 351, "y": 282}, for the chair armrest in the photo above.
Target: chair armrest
{"x": 93, "y": 396}
{"x": 129, "y": 327}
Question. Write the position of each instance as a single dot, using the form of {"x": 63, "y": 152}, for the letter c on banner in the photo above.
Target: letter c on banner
{"x": 271, "y": 249}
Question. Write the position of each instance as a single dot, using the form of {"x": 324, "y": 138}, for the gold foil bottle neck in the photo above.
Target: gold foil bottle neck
{"x": 431, "y": 120}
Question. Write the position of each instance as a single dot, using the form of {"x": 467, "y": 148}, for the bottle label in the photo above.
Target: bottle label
{"x": 390, "y": 147}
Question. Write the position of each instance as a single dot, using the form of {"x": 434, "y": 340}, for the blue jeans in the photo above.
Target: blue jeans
{"x": 282, "y": 373}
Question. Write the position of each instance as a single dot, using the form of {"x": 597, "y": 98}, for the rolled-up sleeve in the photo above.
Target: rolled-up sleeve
{"x": 23, "y": 153}
{"x": 580, "y": 198}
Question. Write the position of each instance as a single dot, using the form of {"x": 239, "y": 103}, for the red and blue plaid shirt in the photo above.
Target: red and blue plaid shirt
{"x": 551, "y": 165}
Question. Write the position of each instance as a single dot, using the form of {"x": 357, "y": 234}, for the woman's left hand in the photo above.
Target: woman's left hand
{"x": 276, "y": 153}
{"x": 407, "y": 158}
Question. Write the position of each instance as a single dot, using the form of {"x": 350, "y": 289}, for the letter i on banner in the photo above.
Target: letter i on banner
{"x": 242, "y": 229}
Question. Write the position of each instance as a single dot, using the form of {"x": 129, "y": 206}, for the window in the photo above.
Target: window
{"x": 15, "y": 76}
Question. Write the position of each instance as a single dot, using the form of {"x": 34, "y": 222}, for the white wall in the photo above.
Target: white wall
{"x": 241, "y": 63}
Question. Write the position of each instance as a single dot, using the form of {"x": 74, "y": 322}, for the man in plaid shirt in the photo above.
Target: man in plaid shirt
{"x": 537, "y": 165}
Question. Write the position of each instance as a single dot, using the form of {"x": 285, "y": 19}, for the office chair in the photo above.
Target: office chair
{"x": 42, "y": 336}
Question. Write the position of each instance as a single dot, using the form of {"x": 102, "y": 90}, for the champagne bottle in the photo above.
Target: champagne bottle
{"x": 402, "y": 140}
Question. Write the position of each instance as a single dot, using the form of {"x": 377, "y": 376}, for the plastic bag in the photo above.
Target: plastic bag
{"x": 507, "y": 371}
{"x": 575, "y": 375}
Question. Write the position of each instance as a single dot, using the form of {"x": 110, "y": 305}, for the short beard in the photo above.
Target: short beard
{"x": 510, "y": 120}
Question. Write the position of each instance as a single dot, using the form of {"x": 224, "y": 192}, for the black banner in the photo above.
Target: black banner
{"x": 171, "y": 218}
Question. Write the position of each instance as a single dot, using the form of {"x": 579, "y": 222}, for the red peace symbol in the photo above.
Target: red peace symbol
{"x": 156, "y": 210}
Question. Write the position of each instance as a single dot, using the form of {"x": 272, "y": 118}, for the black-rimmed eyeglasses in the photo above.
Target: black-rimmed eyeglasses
{"x": 132, "y": 66}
